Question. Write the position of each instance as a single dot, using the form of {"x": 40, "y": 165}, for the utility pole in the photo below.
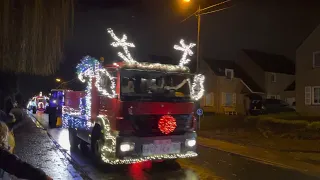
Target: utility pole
{"x": 198, "y": 38}
{"x": 198, "y": 14}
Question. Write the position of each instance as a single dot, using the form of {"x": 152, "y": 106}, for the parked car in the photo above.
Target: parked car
{"x": 269, "y": 106}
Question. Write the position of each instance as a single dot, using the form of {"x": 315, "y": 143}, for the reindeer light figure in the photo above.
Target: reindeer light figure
{"x": 186, "y": 49}
{"x": 197, "y": 86}
{"x": 122, "y": 43}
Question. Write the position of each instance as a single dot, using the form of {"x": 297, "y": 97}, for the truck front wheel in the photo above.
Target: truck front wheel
{"x": 96, "y": 143}
{"x": 73, "y": 139}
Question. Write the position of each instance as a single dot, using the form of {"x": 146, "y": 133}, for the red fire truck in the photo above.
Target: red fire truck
{"x": 133, "y": 112}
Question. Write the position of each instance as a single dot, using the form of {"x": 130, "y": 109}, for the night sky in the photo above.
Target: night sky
{"x": 155, "y": 26}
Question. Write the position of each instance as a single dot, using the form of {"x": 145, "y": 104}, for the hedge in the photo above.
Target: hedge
{"x": 284, "y": 125}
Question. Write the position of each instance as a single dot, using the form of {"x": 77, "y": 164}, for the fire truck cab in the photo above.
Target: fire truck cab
{"x": 134, "y": 112}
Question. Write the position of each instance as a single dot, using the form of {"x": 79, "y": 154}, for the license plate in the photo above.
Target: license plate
{"x": 161, "y": 147}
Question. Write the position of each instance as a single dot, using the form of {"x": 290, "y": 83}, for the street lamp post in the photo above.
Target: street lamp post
{"x": 198, "y": 37}
{"x": 62, "y": 84}
{"x": 198, "y": 14}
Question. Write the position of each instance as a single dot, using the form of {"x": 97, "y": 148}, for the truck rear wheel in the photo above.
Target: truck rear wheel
{"x": 96, "y": 143}
{"x": 73, "y": 139}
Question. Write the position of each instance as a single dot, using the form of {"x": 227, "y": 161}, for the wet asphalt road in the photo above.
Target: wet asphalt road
{"x": 210, "y": 164}
{"x": 34, "y": 147}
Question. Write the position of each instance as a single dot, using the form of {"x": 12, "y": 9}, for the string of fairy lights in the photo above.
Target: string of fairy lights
{"x": 90, "y": 68}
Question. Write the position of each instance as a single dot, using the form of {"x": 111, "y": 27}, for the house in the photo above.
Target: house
{"x": 226, "y": 85}
{"x": 273, "y": 73}
{"x": 308, "y": 72}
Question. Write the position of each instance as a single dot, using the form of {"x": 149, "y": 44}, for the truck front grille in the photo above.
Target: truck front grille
{"x": 147, "y": 125}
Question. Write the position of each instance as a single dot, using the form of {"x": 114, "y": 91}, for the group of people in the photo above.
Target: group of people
{"x": 131, "y": 85}
{"x": 11, "y": 117}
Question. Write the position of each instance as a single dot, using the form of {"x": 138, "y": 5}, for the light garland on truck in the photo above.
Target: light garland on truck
{"x": 87, "y": 68}
{"x": 156, "y": 67}
{"x": 77, "y": 122}
{"x": 110, "y": 139}
{"x": 103, "y": 90}
{"x": 186, "y": 49}
{"x": 110, "y": 148}
{"x": 197, "y": 87}
{"x": 131, "y": 63}
{"x": 189, "y": 154}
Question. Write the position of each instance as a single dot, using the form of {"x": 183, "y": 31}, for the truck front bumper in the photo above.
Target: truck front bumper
{"x": 135, "y": 153}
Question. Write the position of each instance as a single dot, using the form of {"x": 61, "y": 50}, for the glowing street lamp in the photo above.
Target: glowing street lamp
{"x": 58, "y": 80}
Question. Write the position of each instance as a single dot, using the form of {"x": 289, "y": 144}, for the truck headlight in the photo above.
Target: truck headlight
{"x": 190, "y": 142}
{"x": 126, "y": 146}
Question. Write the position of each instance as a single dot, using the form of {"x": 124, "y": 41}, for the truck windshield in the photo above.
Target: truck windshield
{"x": 154, "y": 86}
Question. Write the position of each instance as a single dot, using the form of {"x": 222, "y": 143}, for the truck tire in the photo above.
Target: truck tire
{"x": 84, "y": 147}
{"x": 73, "y": 139}
{"x": 96, "y": 144}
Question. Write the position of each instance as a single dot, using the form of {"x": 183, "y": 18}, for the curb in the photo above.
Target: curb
{"x": 261, "y": 160}
{"x": 38, "y": 122}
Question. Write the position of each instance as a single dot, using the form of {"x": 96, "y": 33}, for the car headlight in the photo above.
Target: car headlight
{"x": 190, "y": 142}
{"x": 126, "y": 146}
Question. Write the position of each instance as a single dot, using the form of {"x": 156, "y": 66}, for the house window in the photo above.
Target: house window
{"x": 273, "y": 77}
{"x": 316, "y": 95}
{"x": 272, "y": 97}
{"x": 307, "y": 95}
{"x": 229, "y": 73}
{"x": 316, "y": 59}
{"x": 228, "y": 99}
{"x": 209, "y": 99}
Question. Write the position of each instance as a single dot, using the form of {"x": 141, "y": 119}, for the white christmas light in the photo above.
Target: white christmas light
{"x": 156, "y": 67}
{"x": 186, "y": 49}
{"x": 103, "y": 90}
{"x": 109, "y": 148}
{"x": 197, "y": 87}
{"x": 122, "y": 43}
{"x": 70, "y": 111}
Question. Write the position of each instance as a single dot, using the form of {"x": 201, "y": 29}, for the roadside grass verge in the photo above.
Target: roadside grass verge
{"x": 284, "y": 125}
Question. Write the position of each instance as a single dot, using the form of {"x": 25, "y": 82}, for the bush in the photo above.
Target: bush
{"x": 314, "y": 126}
{"x": 214, "y": 122}
{"x": 280, "y": 126}
{"x": 292, "y": 116}
{"x": 285, "y": 125}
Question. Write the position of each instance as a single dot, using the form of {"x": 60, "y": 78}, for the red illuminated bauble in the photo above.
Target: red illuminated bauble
{"x": 167, "y": 124}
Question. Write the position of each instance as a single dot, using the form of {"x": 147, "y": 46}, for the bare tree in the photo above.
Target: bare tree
{"x": 32, "y": 33}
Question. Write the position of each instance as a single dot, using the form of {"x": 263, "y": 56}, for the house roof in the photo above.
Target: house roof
{"x": 271, "y": 62}
{"x": 309, "y": 35}
{"x": 219, "y": 66}
{"x": 291, "y": 87}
